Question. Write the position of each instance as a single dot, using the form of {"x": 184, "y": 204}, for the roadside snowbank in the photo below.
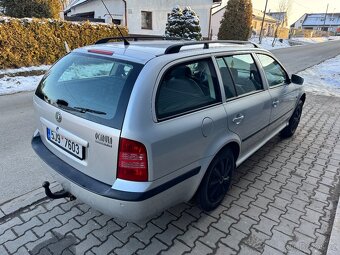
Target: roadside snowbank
{"x": 323, "y": 79}
{"x": 11, "y": 85}
{"x": 316, "y": 39}
{"x": 267, "y": 43}
{"x": 24, "y": 69}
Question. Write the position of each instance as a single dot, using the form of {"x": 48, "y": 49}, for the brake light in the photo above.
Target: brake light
{"x": 132, "y": 161}
{"x": 103, "y": 52}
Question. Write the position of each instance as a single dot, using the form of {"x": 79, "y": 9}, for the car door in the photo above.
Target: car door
{"x": 247, "y": 100}
{"x": 189, "y": 115}
{"x": 283, "y": 95}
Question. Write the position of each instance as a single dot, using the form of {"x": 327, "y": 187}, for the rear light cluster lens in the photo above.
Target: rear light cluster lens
{"x": 132, "y": 161}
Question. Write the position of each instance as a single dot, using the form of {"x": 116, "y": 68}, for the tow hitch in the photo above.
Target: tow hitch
{"x": 57, "y": 195}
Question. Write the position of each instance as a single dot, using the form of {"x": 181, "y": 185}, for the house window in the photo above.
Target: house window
{"x": 146, "y": 20}
{"x": 117, "y": 21}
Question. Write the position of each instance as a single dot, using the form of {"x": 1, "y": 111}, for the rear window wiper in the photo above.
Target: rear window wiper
{"x": 63, "y": 104}
{"x": 83, "y": 110}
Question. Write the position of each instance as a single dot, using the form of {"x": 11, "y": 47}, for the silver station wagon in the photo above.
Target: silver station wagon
{"x": 136, "y": 127}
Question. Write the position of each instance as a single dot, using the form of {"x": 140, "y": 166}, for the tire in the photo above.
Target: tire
{"x": 216, "y": 180}
{"x": 293, "y": 122}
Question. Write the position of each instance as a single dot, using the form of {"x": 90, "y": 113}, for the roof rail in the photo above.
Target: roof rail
{"x": 175, "y": 48}
{"x": 139, "y": 37}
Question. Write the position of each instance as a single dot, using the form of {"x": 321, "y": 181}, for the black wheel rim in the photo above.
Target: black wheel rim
{"x": 219, "y": 180}
{"x": 296, "y": 118}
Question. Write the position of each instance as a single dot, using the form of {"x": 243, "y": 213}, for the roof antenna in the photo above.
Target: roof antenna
{"x": 125, "y": 41}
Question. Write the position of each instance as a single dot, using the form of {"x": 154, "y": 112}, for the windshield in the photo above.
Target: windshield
{"x": 93, "y": 87}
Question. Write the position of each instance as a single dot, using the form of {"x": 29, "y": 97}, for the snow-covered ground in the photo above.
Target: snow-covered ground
{"x": 25, "y": 69}
{"x": 315, "y": 39}
{"x": 11, "y": 85}
{"x": 267, "y": 43}
{"x": 323, "y": 79}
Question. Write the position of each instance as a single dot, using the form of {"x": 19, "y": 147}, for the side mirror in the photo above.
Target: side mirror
{"x": 297, "y": 79}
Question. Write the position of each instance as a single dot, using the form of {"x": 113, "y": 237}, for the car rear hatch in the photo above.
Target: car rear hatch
{"x": 80, "y": 105}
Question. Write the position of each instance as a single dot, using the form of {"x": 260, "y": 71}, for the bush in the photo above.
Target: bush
{"x": 31, "y": 8}
{"x": 183, "y": 24}
{"x": 236, "y": 22}
{"x": 28, "y": 42}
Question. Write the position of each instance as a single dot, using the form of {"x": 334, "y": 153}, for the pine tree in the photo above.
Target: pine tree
{"x": 174, "y": 27}
{"x": 183, "y": 24}
{"x": 236, "y": 22}
{"x": 191, "y": 29}
{"x": 31, "y": 8}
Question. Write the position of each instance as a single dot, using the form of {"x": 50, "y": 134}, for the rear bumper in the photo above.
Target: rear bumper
{"x": 117, "y": 203}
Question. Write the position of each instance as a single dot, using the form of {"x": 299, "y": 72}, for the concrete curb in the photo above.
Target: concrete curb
{"x": 26, "y": 200}
{"x": 334, "y": 241}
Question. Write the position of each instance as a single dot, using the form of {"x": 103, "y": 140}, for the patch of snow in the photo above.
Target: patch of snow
{"x": 25, "y": 69}
{"x": 323, "y": 79}
{"x": 315, "y": 39}
{"x": 267, "y": 43}
{"x": 11, "y": 85}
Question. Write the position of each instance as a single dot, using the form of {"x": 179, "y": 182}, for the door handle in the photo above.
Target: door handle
{"x": 276, "y": 102}
{"x": 238, "y": 119}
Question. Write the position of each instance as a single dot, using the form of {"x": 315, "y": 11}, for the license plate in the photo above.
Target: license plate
{"x": 65, "y": 143}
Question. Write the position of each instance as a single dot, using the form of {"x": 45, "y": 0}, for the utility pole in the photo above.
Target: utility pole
{"x": 324, "y": 22}
{"x": 330, "y": 22}
{"x": 264, "y": 15}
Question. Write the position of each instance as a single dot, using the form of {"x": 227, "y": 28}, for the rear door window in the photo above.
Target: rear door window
{"x": 93, "y": 87}
{"x": 229, "y": 88}
{"x": 187, "y": 87}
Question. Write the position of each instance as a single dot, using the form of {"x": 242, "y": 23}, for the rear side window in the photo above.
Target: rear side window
{"x": 92, "y": 87}
{"x": 274, "y": 72}
{"x": 187, "y": 87}
{"x": 228, "y": 83}
{"x": 245, "y": 73}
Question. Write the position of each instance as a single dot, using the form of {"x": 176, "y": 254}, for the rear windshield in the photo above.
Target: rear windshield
{"x": 93, "y": 87}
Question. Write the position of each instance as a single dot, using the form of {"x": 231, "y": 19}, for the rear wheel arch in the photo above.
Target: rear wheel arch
{"x": 235, "y": 147}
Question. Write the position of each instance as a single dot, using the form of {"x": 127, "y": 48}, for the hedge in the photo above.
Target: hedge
{"x": 30, "y": 42}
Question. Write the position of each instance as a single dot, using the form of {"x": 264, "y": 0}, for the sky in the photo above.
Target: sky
{"x": 299, "y": 7}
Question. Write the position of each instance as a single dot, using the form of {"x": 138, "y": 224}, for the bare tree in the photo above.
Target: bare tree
{"x": 284, "y": 7}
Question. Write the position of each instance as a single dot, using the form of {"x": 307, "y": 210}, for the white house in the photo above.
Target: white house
{"x": 318, "y": 21}
{"x": 142, "y": 17}
{"x": 298, "y": 24}
{"x": 216, "y": 17}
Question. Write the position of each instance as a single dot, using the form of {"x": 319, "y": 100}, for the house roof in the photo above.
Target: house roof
{"x": 302, "y": 17}
{"x": 318, "y": 19}
{"x": 259, "y": 15}
{"x": 75, "y": 3}
{"x": 218, "y": 9}
{"x": 278, "y": 15}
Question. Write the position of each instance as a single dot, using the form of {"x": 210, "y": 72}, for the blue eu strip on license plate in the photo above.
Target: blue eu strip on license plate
{"x": 48, "y": 133}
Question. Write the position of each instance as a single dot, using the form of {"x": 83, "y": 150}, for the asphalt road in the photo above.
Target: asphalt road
{"x": 20, "y": 169}
{"x": 299, "y": 58}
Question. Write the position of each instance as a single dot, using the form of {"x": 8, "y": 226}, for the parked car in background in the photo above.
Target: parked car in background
{"x": 132, "y": 129}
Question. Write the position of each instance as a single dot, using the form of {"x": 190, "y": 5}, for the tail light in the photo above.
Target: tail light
{"x": 132, "y": 161}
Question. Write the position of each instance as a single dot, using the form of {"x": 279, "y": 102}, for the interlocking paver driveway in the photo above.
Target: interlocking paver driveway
{"x": 282, "y": 201}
